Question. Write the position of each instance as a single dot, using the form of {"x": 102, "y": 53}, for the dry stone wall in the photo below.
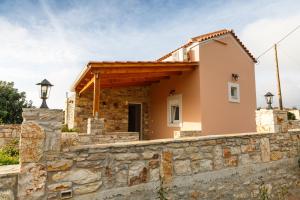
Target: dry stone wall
{"x": 113, "y": 108}
{"x": 220, "y": 167}
{"x": 294, "y": 124}
{"x": 40, "y": 140}
{"x": 8, "y": 182}
{"x": 208, "y": 167}
{"x": 72, "y": 138}
{"x": 9, "y": 132}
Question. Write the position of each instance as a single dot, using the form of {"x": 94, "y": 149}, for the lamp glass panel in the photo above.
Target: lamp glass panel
{"x": 44, "y": 91}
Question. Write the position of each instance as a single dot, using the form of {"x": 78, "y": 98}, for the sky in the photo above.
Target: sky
{"x": 56, "y": 39}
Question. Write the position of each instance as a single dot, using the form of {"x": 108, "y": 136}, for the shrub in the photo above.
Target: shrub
{"x": 9, "y": 154}
{"x": 65, "y": 128}
{"x": 291, "y": 116}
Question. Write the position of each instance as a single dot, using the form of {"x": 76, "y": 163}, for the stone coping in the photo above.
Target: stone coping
{"x": 43, "y": 109}
{"x": 9, "y": 169}
{"x": 165, "y": 141}
{"x": 104, "y": 134}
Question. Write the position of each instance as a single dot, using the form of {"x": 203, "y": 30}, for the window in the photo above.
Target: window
{"x": 174, "y": 110}
{"x": 234, "y": 92}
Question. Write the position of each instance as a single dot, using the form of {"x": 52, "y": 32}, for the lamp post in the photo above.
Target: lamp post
{"x": 269, "y": 100}
{"x": 45, "y": 91}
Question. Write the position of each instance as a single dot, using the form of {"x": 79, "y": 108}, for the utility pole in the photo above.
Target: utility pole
{"x": 278, "y": 79}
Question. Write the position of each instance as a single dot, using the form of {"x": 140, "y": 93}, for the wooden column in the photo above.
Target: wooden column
{"x": 96, "y": 102}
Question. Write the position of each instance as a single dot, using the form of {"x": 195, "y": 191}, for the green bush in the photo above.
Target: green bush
{"x": 65, "y": 128}
{"x": 291, "y": 116}
{"x": 9, "y": 154}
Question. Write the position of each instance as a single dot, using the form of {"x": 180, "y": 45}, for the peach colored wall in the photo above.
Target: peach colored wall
{"x": 186, "y": 84}
{"x": 217, "y": 63}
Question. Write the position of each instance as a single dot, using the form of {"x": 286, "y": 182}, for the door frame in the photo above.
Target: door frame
{"x": 141, "y": 120}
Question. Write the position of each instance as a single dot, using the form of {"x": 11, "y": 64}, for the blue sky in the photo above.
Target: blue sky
{"x": 55, "y": 39}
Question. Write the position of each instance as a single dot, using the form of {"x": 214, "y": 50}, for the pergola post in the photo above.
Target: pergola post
{"x": 96, "y": 99}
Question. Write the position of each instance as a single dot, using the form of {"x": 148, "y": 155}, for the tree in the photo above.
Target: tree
{"x": 11, "y": 103}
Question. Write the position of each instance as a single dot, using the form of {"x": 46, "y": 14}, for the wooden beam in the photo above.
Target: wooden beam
{"x": 96, "y": 99}
{"x": 140, "y": 64}
{"x": 86, "y": 86}
{"x": 125, "y": 79}
{"x": 137, "y": 75}
{"x": 139, "y": 70}
{"x": 128, "y": 84}
{"x": 219, "y": 41}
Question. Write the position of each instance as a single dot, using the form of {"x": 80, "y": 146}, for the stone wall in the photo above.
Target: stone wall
{"x": 293, "y": 124}
{"x": 113, "y": 108}
{"x": 208, "y": 167}
{"x": 73, "y": 138}
{"x": 9, "y": 132}
{"x": 40, "y": 141}
{"x": 8, "y": 182}
{"x": 271, "y": 121}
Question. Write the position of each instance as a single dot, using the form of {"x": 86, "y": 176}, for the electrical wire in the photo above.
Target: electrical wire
{"x": 287, "y": 35}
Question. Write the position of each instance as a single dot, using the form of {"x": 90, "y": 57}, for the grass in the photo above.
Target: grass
{"x": 9, "y": 154}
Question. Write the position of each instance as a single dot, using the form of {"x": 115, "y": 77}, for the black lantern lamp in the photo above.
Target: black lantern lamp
{"x": 269, "y": 100}
{"x": 45, "y": 91}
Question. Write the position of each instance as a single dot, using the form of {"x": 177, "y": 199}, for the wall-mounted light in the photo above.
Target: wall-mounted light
{"x": 235, "y": 77}
{"x": 172, "y": 92}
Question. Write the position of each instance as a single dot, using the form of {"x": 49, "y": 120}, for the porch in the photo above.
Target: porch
{"x": 122, "y": 94}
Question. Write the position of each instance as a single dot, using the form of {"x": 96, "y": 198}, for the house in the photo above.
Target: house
{"x": 206, "y": 86}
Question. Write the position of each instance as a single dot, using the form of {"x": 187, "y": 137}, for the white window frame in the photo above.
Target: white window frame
{"x": 233, "y": 99}
{"x": 174, "y": 100}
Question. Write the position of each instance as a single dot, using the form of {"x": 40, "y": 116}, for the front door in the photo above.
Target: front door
{"x": 134, "y": 117}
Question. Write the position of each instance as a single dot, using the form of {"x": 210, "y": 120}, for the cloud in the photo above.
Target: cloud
{"x": 55, "y": 39}
{"x": 259, "y": 36}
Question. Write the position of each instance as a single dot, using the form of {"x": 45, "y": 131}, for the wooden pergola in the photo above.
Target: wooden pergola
{"x": 98, "y": 75}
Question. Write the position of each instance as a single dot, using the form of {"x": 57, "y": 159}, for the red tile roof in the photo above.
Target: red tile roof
{"x": 208, "y": 36}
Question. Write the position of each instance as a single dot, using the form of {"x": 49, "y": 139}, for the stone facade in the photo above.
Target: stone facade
{"x": 9, "y": 132}
{"x": 113, "y": 108}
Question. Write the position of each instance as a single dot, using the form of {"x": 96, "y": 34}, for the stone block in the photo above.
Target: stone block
{"x": 95, "y": 126}
{"x": 206, "y": 165}
{"x": 32, "y": 181}
{"x": 231, "y": 161}
{"x": 87, "y": 188}
{"x": 138, "y": 173}
{"x": 182, "y": 167}
{"x": 78, "y": 176}
{"x": 6, "y": 194}
{"x": 59, "y": 186}
{"x": 59, "y": 165}
{"x": 265, "y": 149}
{"x": 32, "y": 142}
{"x": 276, "y": 155}
{"x": 167, "y": 167}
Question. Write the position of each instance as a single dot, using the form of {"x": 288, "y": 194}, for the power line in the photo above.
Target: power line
{"x": 287, "y": 35}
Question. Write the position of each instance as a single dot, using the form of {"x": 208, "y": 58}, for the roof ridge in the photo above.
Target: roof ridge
{"x": 208, "y": 36}
{"x": 210, "y": 33}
